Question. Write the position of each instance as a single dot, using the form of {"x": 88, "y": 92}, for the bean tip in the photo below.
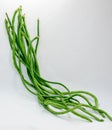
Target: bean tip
{"x": 110, "y": 118}
{"x": 5, "y": 20}
{"x": 38, "y": 20}
{"x": 20, "y": 7}
{"x": 24, "y": 15}
{"x": 101, "y": 120}
{"x": 90, "y": 121}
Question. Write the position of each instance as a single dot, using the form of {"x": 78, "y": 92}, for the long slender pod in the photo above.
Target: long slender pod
{"x": 24, "y": 50}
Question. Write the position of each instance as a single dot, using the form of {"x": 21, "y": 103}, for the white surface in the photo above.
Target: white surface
{"x": 75, "y": 49}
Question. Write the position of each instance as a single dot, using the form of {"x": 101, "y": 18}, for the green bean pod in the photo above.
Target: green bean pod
{"x": 24, "y": 50}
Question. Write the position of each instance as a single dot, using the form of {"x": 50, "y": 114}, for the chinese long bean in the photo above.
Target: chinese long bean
{"x": 24, "y": 50}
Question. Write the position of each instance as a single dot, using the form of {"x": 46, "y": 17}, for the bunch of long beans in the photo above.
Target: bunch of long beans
{"x": 80, "y": 103}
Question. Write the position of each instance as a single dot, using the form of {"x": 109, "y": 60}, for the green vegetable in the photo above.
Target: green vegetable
{"x": 80, "y": 103}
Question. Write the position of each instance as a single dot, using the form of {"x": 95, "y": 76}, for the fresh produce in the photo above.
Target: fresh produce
{"x": 24, "y": 54}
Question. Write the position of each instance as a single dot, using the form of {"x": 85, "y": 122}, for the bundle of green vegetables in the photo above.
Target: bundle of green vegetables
{"x": 80, "y": 103}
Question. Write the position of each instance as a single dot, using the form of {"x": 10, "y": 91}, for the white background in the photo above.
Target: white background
{"x": 75, "y": 48}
